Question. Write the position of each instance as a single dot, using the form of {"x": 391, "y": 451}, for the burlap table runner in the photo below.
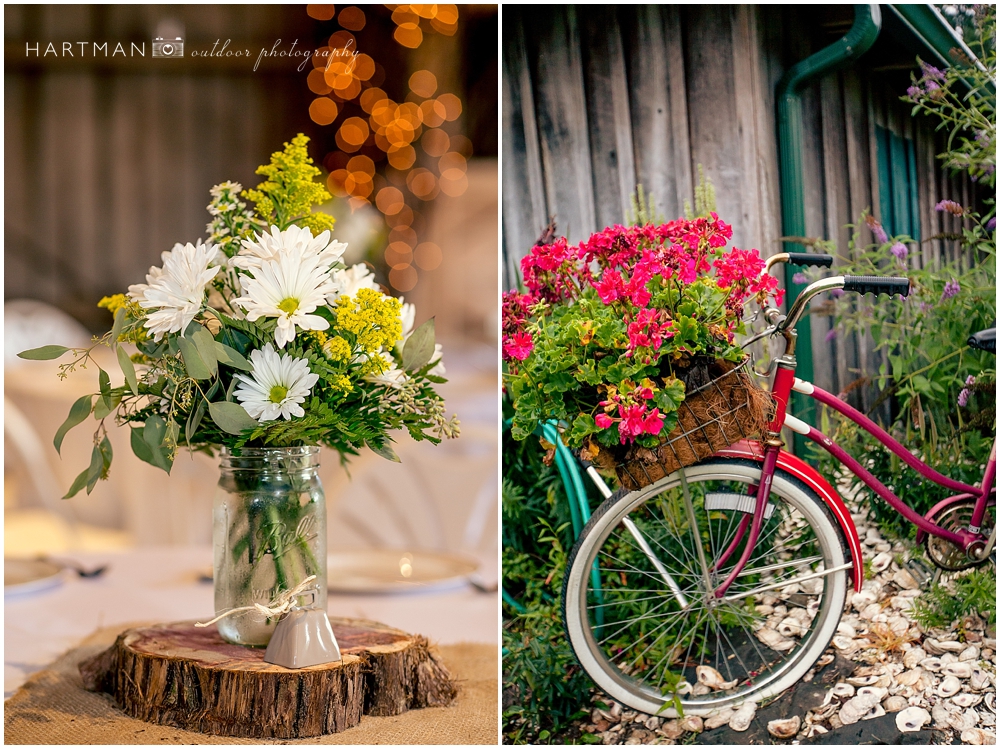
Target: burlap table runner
{"x": 53, "y": 708}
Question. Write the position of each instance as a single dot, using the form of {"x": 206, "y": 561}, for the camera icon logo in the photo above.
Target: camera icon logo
{"x": 166, "y": 48}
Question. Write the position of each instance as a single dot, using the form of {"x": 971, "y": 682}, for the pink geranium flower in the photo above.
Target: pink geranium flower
{"x": 518, "y": 346}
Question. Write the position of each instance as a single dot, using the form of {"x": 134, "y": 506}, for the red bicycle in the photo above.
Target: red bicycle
{"x": 724, "y": 582}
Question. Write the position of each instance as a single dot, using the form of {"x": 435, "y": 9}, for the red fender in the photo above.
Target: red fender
{"x": 811, "y": 478}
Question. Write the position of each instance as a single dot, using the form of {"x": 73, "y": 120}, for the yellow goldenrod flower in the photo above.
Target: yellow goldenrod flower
{"x": 337, "y": 349}
{"x": 372, "y": 318}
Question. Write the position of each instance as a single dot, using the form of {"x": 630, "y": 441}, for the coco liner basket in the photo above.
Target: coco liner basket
{"x": 722, "y": 405}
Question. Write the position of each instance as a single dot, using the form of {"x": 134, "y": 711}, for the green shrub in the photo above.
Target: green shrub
{"x": 973, "y": 593}
{"x": 544, "y": 687}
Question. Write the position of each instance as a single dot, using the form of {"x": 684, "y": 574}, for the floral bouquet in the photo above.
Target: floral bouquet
{"x": 615, "y": 335}
{"x": 260, "y": 338}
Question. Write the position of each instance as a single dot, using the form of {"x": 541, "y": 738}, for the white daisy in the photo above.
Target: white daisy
{"x": 289, "y": 287}
{"x": 354, "y": 278}
{"x": 438, "y": 369}
{"x": 177, "y": 290}
{"x": 278, "y": 386}
{"x": 407, "y": 315}
{"x": 295, "y": 240}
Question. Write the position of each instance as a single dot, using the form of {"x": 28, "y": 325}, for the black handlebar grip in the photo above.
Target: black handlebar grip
{"x": 810, "y": 259}
{"x": 877, "y": 285}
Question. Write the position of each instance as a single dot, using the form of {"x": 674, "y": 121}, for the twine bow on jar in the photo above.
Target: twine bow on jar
{"x": 280, "y": 604}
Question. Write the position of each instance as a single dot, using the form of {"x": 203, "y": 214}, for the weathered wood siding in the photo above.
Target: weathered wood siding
{"x": 598, "y": 98}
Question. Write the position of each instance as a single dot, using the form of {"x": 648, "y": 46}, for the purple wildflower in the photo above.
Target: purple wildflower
{"x": 931, "y": 72}
{"x": 880, "y": 236}
{"x": 925, "y": 307}
{"x": 900, "y": 251}
{"x": 963, "y": 397}
{"x": 800, "y": 278}
{"x": 932, "y": 86}
{"x": 951, "y": 206}
{"x": 837, "y": 293}
{"x": 831, "y": 335}
{"x": 983, "y": 138}
{"x": 970, "y": 380}
{"x": 950, "y": 289}
{"x": 991, "y": 224}
{"x": 914, "y": 92}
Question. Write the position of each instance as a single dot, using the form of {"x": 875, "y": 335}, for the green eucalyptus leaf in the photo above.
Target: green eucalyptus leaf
{"x": 79, "y": 411}
{"x": 419, "y": 347}
{"x": 140, "y": 448}
{"x": 96, "y": 468}
{"x": 205, "y": 344}
{"x": 231, "y": 417}
{"x": 385, "y": 451}
{"x": 43, "y": 353}
{"x": 104, "y": 381}
{"x": 78, "y": 483}
{"x": 107, "y": 454}
{"x": 105, "y": 405}
{"x": 231, "y": 357}
{"x": 116, "y": 329}
{"x": 153, "y": 434}
{"x": 128, "y": 369}
{"x": 195, "y": 365}
{"x": 194, "y": 420}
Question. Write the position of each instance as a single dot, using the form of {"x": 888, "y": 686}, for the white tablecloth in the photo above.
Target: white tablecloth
{"x": 161, "y": 584}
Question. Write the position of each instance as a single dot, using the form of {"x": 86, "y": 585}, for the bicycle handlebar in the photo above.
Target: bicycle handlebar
{"x": 809, "y": 259}
{"x": 861, "y": 284}
{"x": 877, "y": 285}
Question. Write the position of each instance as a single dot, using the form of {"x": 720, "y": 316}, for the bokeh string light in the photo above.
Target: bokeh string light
{"x": 377, "y": 161}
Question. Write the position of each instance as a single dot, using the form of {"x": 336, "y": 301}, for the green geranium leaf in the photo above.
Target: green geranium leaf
{"x": 79, "y": 411}
{"x": 128, "y": 369}
{"x": 419, "y": 347}
{"x": 231, "y": 417}
{"x": 231, "y": 357}
{"x": 43, "y": 353}
{"x": 196, "y": 367}
{"x": 583, "y": 425}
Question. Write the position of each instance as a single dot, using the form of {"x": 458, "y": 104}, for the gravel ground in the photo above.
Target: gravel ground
{"x": 883, "y": 680}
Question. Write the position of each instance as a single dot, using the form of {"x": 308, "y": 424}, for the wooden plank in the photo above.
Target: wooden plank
{"x": 658, "y": 104}
{"x": 755, "y": 128}
{"x": 837, "y": 198}
{"x": 606, "y": 84}
{"x": 562, "y": 120}
{"x": 524, "y": 211}
{"x": 717, "y": 142}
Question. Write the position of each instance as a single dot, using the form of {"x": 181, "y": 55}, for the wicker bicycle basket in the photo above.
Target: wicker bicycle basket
{"x": 722, "y": 406}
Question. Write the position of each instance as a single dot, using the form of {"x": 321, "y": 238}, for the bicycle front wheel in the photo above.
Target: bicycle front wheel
{"x": 639, "y": 602}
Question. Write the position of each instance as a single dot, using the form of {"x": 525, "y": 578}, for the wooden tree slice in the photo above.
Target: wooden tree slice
{"x": 188, "y": 677}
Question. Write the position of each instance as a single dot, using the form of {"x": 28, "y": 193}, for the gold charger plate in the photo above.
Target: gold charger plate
{"x": 25, "y": 576}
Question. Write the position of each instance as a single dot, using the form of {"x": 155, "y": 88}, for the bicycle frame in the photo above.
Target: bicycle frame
{"x": 784, "y": 383}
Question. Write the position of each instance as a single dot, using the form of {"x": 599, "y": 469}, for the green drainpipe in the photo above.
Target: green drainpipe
{"x": 840, "y": 54}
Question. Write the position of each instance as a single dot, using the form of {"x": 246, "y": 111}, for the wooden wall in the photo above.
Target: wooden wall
{"x": 598, "y": 98}
{"x": 108, "y": 161}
